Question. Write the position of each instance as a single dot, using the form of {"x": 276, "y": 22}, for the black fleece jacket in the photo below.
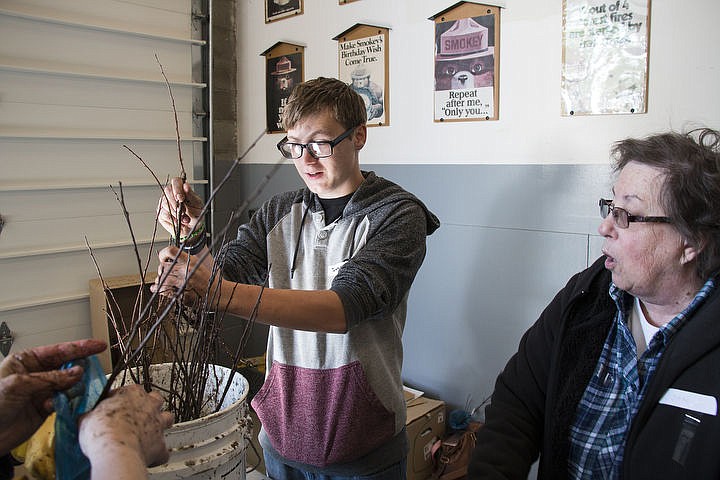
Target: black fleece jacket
{"x": 537, "y": 393}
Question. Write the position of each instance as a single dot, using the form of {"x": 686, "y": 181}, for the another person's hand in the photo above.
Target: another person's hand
{"x": 171, "y": 279}
{"x": 179, "y": 192}
{"x": 123, "y": 434}
{"x": 28, "y": 380}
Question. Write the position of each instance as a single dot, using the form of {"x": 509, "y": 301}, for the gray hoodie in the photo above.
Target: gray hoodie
{"x": 330, "y": 401}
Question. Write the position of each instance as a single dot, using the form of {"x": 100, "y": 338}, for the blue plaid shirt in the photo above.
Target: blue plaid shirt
{"x": 616, "y": 390}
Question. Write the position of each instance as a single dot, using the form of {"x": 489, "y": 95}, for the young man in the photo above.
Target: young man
{"x": 342, "y": 254}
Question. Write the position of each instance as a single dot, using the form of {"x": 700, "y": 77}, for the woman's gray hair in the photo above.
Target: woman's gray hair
{"x": 690, "y": 194}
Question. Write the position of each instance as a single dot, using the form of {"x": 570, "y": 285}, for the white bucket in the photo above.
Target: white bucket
{"x": 214, "y": 445}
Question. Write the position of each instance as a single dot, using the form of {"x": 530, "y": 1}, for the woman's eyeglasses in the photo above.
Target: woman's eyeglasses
{"x": 622, "y": 218}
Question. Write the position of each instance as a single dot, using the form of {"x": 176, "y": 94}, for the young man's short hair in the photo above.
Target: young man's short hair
{"x": 320, "y": 94}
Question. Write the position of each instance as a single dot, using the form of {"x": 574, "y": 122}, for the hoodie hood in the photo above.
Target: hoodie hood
{"x": 376, "y": 193}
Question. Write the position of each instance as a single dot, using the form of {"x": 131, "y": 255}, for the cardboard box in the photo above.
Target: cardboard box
{"x": 425, "y": 424}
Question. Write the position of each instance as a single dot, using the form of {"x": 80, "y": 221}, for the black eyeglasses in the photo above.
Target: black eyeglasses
{"x": 316, "y": 149}
{"x": 622, "y": 218}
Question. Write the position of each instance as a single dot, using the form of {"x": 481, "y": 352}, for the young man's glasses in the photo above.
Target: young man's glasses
{"x": 316, "y": 149}
{"x": 622, "y": 218}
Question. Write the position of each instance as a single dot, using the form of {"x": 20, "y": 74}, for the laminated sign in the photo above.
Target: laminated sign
{"x": 605, "y": 57}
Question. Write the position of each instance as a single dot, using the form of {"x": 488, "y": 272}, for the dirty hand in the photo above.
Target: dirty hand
{"x": 128, "y": 424}
{"x": 28, "y": 380}
{"x": 171, "y": 278}
{"x": 179, "y": 192}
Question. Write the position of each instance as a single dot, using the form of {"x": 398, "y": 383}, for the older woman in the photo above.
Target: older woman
{"x": 620, "y": 376}
{"x": 122, "y": 435}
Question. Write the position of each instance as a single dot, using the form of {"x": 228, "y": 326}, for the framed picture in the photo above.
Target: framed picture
{"x": 283, "y": 70}
{"x": 605, "y": 57}
{"x": 363, "y": 64}
{"x": 279, "y": 9}
{"x": 466, "y": 54}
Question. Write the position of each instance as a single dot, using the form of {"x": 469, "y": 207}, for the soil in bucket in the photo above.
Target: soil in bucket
{"x": 212, "y": 446}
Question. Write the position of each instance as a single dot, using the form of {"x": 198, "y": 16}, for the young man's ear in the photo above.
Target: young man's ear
{"x": 359, "y": 136}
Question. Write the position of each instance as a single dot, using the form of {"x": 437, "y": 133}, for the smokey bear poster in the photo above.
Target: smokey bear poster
{"x": 466, "y": 68}
{"x": 283, "y": 73}
{"x": 363, "y": 58}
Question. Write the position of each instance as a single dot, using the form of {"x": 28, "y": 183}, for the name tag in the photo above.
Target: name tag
{"x": 696, "y": 402}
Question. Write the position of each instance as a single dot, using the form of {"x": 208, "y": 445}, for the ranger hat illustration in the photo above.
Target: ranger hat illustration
{"x": 463, "y": 40}
{"x": 283, "y": 67}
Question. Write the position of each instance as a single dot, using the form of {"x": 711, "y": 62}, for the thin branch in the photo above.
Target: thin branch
{"x": 177, "y": 126}
{"x": 190, "y": 334}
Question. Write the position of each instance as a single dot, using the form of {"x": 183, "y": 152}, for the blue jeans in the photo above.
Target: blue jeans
{"x": 276, "y": 470}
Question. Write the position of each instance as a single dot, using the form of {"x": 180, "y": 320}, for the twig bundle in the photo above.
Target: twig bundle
{"x": 170, "y": 329}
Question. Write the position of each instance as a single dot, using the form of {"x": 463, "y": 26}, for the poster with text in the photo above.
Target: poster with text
{"x": 465, "y": 69}
{"x": 283, "y": 73}
{"x": 279, "y": 9}
{"x": 605, "y": 57}
{"x": 362, "y": 65}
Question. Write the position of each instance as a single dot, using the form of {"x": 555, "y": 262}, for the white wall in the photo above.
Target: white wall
{"x": 78, "y": 80}
{"x": 517, "y": 197}
{"x": 683, "y": 87}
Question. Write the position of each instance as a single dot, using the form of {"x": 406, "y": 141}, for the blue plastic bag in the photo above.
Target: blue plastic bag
{"x": 70, "y": 462}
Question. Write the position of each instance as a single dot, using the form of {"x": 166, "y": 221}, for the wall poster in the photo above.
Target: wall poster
{"x": 363, "y": 64}
{"x": 284, "y": 68}
{"x": 605, "y": 56}
{"x": 279, "y": 9}
{"x": 467, "y": 52}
